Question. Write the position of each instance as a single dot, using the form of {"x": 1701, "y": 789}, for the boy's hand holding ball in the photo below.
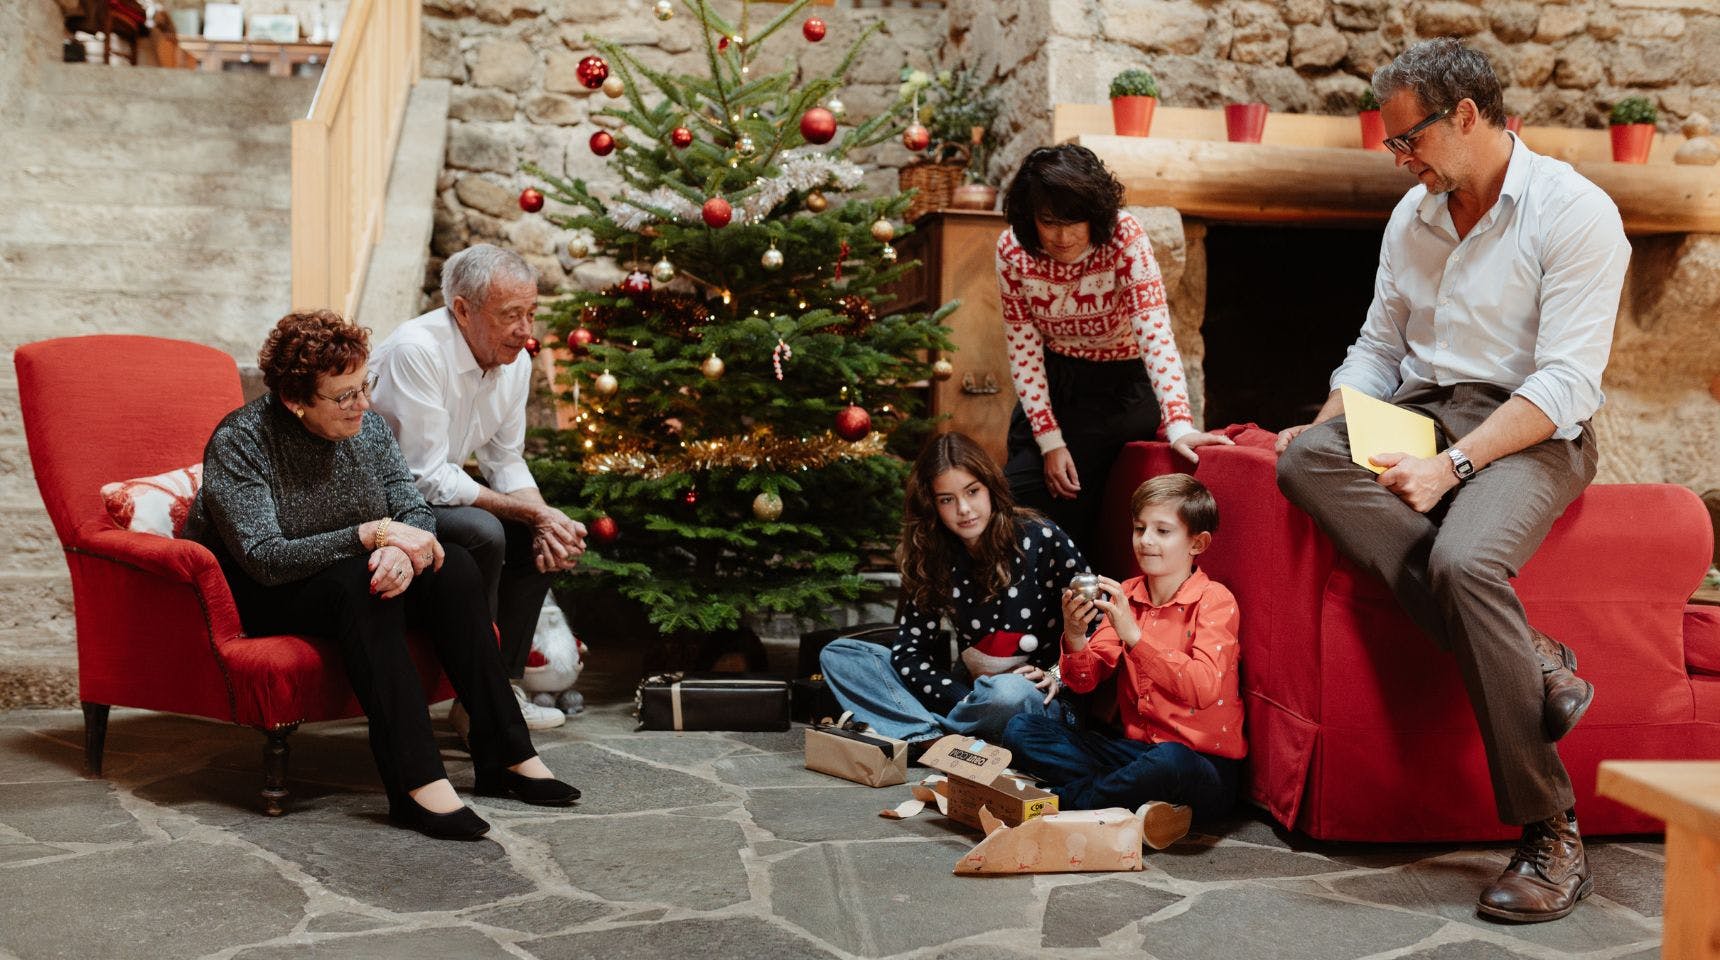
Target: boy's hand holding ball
{"x": 1088, "y": 596}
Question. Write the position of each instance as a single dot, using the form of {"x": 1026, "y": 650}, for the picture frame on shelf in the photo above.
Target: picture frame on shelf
{"x": 275, "y": 27}
{"x": 223, "y": 21}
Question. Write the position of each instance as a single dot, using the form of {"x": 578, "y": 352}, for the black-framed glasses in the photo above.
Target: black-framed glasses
{"x": 1405, "y": 142}
{"x": 346, "y": 398}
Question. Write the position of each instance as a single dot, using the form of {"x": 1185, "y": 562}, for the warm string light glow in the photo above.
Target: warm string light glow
{"x": 761, "y": 448}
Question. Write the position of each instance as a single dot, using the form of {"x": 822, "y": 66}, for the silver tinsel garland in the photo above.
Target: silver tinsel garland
{"x": 802, "y": 169}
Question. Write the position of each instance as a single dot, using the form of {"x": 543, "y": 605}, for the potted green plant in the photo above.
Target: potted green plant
{"x": 959, "y": 113}
{"x": 1373, "y": 127}
{"x": 1632, "y": 125}
{"x": 1134, "y": 96}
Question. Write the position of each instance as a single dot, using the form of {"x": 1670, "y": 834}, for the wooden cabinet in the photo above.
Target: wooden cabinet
{"x": 259, "y": 56}
{"x": 957, "y": 253}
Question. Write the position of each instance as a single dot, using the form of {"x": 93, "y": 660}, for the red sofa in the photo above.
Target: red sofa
{"x": 1358, "y": 725}
{"x": 156, "y": 624}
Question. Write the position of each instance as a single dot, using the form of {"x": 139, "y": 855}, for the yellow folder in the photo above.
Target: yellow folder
{"x": 1376, "y": 426}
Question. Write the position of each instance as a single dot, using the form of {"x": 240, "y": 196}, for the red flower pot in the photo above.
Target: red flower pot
{"x": 1373, "y": 130}
{"x": 1631, "y": 142}
{"x": 1514, "y": 123}
{"x": 1244, "y": 122}
{"x": 1133, "y": 116}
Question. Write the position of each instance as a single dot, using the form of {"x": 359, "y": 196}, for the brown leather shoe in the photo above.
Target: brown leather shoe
{"x": 1565, "y": 696}
{"x": 1547, "y": 875}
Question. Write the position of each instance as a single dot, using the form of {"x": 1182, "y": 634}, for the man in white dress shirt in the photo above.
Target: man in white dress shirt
{"x": 452, "y": 384}
{"x": 1493, "y": 312}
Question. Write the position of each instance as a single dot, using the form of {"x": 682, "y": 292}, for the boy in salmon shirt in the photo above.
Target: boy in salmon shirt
{"x": 1174, "y": 634}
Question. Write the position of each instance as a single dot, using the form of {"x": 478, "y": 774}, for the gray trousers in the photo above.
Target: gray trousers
{"x": 503, "y": 551}
{"x": 1451, "y": 569}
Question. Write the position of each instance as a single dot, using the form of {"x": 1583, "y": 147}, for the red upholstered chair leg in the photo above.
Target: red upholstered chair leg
{"x": 275, "y": 754}
{"x": 95, "y": 736}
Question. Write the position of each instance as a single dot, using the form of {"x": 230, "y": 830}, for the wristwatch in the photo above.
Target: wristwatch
{"x": 1460, "y": 464}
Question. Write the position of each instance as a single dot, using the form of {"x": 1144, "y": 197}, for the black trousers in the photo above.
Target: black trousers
{"x": 447, "y": 606}
{"x": 1099, "y": 405}
{"x": 508, "y": 568}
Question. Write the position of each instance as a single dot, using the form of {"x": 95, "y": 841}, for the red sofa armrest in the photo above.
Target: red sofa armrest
{"x": 177, "y": 561}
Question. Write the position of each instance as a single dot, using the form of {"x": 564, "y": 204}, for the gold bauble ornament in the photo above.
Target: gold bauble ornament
{"x": 883, "y": 230}
{"x": 614, "y": 87}
{"x": 579, "y": 246}
{"x": 713, "y": 367}
{"x": 605, "y": 385}
{"x": 663, "y": 271}
{"x": 943, "y": 370}
{"x": 767, "y": 506}
{"x": 745, "y": 146}
{"x": 664, "y": 10}
{"x": 816, "y": 202}
{"x": 888, "y": 253}
{"x": 771, "y": 259}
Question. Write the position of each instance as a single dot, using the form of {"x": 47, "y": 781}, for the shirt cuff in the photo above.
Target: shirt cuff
{"x": 514, "y": 476}
{"x": 465, "y": 492}
{"x": 1050, "y": 440}
{"x": 1176, "y": 431}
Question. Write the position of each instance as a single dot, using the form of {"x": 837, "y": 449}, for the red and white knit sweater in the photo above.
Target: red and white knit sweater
{"x": 1110, "y": 305}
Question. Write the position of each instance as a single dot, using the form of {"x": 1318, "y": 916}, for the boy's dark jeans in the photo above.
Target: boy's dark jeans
{"x": 1088, "y": 770}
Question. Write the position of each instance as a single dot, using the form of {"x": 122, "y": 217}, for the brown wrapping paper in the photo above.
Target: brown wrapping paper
{"x": 1073, "y": 841}
{"x": 866, "y": 758}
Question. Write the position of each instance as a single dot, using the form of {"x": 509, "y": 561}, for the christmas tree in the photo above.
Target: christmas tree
{"x": 744, "y": 397}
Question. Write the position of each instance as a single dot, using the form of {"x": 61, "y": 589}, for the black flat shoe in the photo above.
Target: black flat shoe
{"x": 541, "y": 792}
{"x": 462, "y": 824}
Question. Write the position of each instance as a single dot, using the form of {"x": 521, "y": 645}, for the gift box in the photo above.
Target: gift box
{"x": 713, "y": 701}
{"x": 979, "y": 777}
{"x": 846, "y": 750}
{"x": 1076, "y": 841}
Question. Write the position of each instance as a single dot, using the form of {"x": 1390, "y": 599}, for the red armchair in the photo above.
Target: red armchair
{"x": 1358, "y": 725}
{"x": 156, "y": 624}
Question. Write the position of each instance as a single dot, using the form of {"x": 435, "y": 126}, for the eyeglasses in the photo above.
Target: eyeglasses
{"x": 1404, "y": 142}
{"x": 346, "y": 398}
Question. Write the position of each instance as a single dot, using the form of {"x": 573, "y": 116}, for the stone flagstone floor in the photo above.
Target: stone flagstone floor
{"x": 701, "y": 846}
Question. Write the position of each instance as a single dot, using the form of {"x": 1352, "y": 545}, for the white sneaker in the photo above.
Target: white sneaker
{"x": 537, "y": 718}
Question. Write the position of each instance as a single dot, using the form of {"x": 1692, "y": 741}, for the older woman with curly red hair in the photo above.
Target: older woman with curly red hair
{"x": 309, "y": 507}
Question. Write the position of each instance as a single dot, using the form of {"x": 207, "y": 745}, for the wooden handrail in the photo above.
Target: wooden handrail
{"x": 343, "y": 151}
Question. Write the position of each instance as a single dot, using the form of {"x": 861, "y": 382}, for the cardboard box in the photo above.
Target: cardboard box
{"x": 1076, "y": 841}
{"x": 978, "y": 777}
{"x": 865, "y": 758}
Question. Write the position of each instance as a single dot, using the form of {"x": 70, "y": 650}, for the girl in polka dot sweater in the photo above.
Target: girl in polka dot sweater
{"x": 997, "y": 572}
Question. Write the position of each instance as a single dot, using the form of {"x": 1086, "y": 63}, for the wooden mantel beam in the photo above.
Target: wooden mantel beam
{"x": 1306, "y": 172}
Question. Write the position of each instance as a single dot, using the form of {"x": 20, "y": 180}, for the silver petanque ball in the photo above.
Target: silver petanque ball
{"x": 1085, "y": 584}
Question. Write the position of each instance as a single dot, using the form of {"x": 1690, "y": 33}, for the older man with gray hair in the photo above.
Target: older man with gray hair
{"x": 1493, "y": 312}
{"x": 452, "y": 384}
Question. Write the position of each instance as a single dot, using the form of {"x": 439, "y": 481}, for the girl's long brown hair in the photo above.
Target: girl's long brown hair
{"x": 928, "y": 550}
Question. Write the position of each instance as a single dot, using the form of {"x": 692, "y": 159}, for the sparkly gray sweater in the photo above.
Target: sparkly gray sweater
{"x": 284, "y": 503}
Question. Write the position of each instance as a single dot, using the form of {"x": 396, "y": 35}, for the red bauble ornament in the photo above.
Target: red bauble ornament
{"x": 853, "y": 423}
{"x": 592, "y": 71}
{"x": 581, "y": 338}
{"x": 818, "y": 125}
{"x": 691, "y": 497}
{"x": 916, "y": 138}
{"x": 637, "y": 283}
{"x": 604, "y": 530}
{"x": 533, "y": 346}
{"x": 722, "y": 44}
{"x": 681, "y": 137}
{"x": 603, "y": 143}
{"x": 717, "y": 212}
{"x": 812, "y": 29}
{"x": 531, "y": 200}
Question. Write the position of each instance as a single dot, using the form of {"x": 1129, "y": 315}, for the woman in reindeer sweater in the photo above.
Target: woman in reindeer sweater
{"x": 1092, "y": 357}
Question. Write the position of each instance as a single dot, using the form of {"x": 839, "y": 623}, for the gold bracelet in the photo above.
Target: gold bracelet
{"x": 382, "y": 532}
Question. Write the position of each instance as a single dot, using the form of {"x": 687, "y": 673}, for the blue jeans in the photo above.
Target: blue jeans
{"x": 1089, "y": 770}
{"x": 860, "y": 675}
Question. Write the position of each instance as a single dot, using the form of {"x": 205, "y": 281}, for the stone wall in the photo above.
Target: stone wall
{"x": 515, "y": 98}
{"x": 30, "y": 35}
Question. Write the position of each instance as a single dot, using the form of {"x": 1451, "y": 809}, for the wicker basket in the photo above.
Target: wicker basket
{"x": 936, "y": 179}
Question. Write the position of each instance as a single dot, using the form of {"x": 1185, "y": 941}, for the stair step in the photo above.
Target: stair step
{"x": 17, "y": 480}
{"x": 179, "y": 224}
{"x": 31, "y": 543}
{"x": 111, "y": 115}
{"x": 143, "y": 268}
{"x": 140, "y": 84}
{"x": 235, "y": 316}
{"x": 271, "y": 188}
{"x": 36, "y": 619}
{"x": 89, "y": 151}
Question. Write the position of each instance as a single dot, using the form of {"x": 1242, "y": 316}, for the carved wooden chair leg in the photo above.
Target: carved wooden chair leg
{"x": 275, "y": 753}
{"x": 95, "y": 736}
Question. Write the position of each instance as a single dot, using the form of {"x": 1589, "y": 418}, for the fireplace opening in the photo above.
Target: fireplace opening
{"x": 1282, "y": 306}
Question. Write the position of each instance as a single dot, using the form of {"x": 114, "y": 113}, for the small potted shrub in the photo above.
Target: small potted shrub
{"x": 1134, "y": 96}
{"x": 1373, "y": 127}
{"x": 1632, "y": 129}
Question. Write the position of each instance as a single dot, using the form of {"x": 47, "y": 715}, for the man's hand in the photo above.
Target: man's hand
{"x": 1060, "y": 476}
{"x": 1417, "y": 481}
{"x": 1288, "y": 434}
{"x": 558, "y": 541}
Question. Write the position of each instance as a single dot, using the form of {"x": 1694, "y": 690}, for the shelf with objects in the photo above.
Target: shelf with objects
{"x": 258, "y": 56}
